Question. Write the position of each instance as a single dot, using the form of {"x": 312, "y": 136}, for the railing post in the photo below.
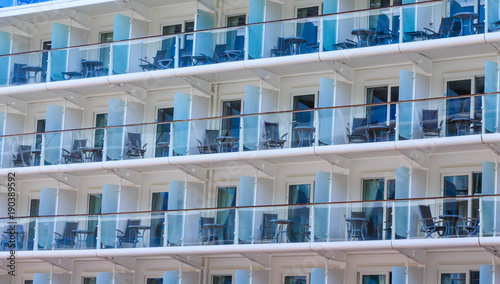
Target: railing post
{"x": 165, "y": 229}
{"x": 110, "y": 71}
{"x": 49, "y": 68}
{"x": 99, "y": 232}
{"x": 396, "y": 135}
{"x": 401, "y": 23}
{"x": 42, "y": 151}
{"x": 247, "y": 38}
{"x": 105, "y": 146}
{"x": 311, "y": 221}
{"x": 393, "y": 223}
{"x": 480, "y": 216}
{"x": 321, "y": 34}
{"x": 177, "y": 51}
{"x": 35, "y": 241}
{"x": 236, "y": 226}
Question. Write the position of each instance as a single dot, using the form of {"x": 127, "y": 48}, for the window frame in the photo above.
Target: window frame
{"x": 296, "y": 274}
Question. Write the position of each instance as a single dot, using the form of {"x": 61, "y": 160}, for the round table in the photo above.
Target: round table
{"x": 379, "y": 132}
{"x": 91, "y": 67}
{"x": 81, "y": 238}
{"x": 305, "y": 134}
{"x": 294, "y": 44}
{"x": 463, "y": 125}
{"x": 364, "y": 36}
{"x": 356, "y": 228}
{"x": 214, "y": 232}
{"x": 138, "y": 234}
{"x": 280, "y": 226}
{"x": 227, "y": 143}
{"x": 450, "y": 224}
{"x": 466, "y": 19}
{"x": 89, "y": 153}
{"x": 32, "y": 72}
{"x": 163, "y": 148}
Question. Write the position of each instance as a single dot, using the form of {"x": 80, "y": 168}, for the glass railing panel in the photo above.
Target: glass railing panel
{"x": 69, "y": 233}
{"x": 159, "y": 139}
{"x": 79, "y": 146}
{"x": 373, "y": 123}
{"x": 21, "y": 151}
{"x": 274, "y": 131}
{"x": 25, "y": 68}
{"x": 439, "y": 218}
{"x": 421, "y": 119}
{"x": 151, "y": 54}
{"x": 213, "y": 46}
{"x": 489, "y": 226}
{"x": 133, "y": 230}
{"x": 80, "y": 62}
{"x": 361, "y": 29}
{"x": 493, "y": 15}
{"x": 331, "y": 222}
{"x": 15, "y": 234}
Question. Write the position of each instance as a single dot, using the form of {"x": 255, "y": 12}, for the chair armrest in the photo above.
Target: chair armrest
{"x": 283, "y": 136}
{"x": 265, "y": 134}
{"x": 144, "y": 146}
{"x": 57, "y": 234}
{"x": 429, "y": 30}
{"x": 200, "y": 144}
{"x": 145, "y": 61}
{"x": 121, "y": 232}
{"x": 66, "y": 152}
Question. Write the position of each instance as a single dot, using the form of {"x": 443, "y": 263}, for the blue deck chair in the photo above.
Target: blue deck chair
{"x": 18, "y": 74}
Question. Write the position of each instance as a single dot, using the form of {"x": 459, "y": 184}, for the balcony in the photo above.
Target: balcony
{"x": 413, "y": 219}
{"x": 386, "y": 29}
{"x": 449, "y": 118}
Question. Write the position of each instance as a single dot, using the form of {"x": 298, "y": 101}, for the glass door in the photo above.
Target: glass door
{"x": 295, "y": 280}
{"x": 374, "y": 279}
{"x": 226, "y": 198}
{"x": 303, "y": 122}
{"x": 40, "y": 128}
{"x": 46, "y": 45}
{"x": 462, "y": 185}
{"x": 378, "y": 214}
{"x": 89, "y": 280}
{"x": 464, "y": 115}
{"x": 299, "y": 194}
{"x": 34, "y": 209}
{"x": 163, "y": 131}
{"x": 104, "y": 50}
{"x": 159, "y": 202}
{"x": 95, "y": 203}
{"x": 231, "y": 126}
{"x": 226, "y": 279}
{"x": 101, "y": 120}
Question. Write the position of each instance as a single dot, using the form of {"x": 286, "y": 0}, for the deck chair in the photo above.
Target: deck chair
{"x": 20, "y": 2}
{"x": 130, "y": 235}
{"x": 237, "y": 52}
{"x": 383, "y": 32}
{"x": 155, "y": 65}
{"x": 356, "y": 229}
{"x": 310, "y": 34}
{"x": 272, "y": 135}
{"x": 168, "y": 61}
{"x": 358, "y": 133}
{"x": 18, "y": 231}
{"x": 348, "y": 44}
{"x": 448, "y": 28}
{"x": 209, "y": 144}
{"x": 267, "y": 230}
{"x": 68, "y": 237}
{"x": 280, "y": 49}
{"x": 429, "y": 123}
{"x": 23, "y": 156}
{"x": 204, "y": 234}
{"x": 430, "y": 225}
{"x": 76, "y": 154}
{"x": 468, "y": 226}
{"x": 18, "y": 74}
{"x": 218, "y": 55}
{"x": 134, "y": 145}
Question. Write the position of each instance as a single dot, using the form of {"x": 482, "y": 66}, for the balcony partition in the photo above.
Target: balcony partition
{"x": 129, "y": 53}
{"x": 435, "y": 218}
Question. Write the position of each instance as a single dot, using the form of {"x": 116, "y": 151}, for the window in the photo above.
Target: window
{"x": 154, "y": 281}
{"x": 373, "y": 279}
{"x": 308, "y": 12}
{"x": 28, "y": 281}
{"x": 226, "y": 279}
{"x": 460, "y": 278}
{"x": 383, "y": 113}
{"x": 231, "y": 126}
{"x": 188, "y": 38}
{"x": 40, "y": 128}
{"x": 374, "y": 4}
{"x": 235, "y": 21}
{"x": 104, "y": 50}
{"x": 170, "y": 30}
{"x": 463, "y": 115}
{"x": 163, "y": 131}
{"x": 299, "y": 194}
{"x": 375, "y": 189}
{"x": 462, "y": 185}
{"x": 308, "y": 28}
{"x": 91, "y": 280}
{"x": 295, "y": 279}
{"x": 303, "y": 122}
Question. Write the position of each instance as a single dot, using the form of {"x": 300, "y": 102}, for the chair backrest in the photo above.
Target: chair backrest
{"x": 129, "y": 233}
{"x": 79, "y": 143}
{"x": 361, "y": 215}
{"x": 425, "y": 213}
{"x": 272, "y": 130}
{"x": 267, "y": 226}
{"x": 357, "y": 124}
{"x": 206, "y": 220}
{"x": 210, "y": 138}
{"x": 239, "y": 43}
{"x": 281, "y": 44}
{"x": 449, "y": 27}
{"x": 160, "y": 55}
{"x": 219, "y": 49}
{"x": 310, "y": 32}
{"x": 430, "y": 119}
{"x": 134, "y": 140}
{"x": 18, "y": 73}
{"x": 23, "y": 154}
{"x": 68, "y": 230}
